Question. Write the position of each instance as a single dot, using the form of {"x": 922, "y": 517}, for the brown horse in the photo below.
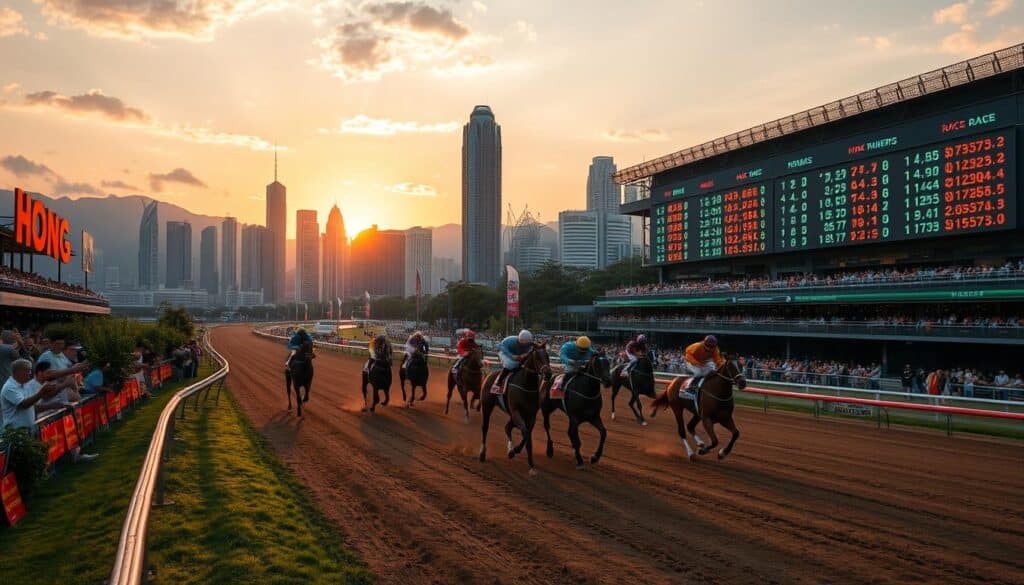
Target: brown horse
{"x": 715, "y": 399}
{"x": 521, "y": 401}
{"x": 471, "y": 375}
{"x": 298, "y": 374}
{"x": 581, "y": 403}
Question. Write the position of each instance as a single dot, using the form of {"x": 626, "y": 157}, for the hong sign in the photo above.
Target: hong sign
{"x": 40, "y": 229}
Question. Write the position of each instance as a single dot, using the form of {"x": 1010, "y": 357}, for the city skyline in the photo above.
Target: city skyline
{"x": 92, "y": 103}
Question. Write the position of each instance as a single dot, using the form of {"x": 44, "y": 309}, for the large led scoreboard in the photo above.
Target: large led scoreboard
{"x": 944, "y": 175}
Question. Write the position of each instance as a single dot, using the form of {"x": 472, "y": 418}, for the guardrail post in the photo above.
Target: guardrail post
{"x": 949, "y": 425}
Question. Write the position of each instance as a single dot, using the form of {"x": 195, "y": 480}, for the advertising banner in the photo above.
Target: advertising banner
{"x": 512, "y": 292}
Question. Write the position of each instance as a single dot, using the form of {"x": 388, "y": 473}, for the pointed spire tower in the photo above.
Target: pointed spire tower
{"x": 277, "y": 224}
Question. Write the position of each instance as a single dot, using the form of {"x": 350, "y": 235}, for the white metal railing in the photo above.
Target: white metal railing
{"x": 130, "y": 560}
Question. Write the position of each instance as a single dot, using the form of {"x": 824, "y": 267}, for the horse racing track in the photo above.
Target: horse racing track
{"x": 799, "y": 500}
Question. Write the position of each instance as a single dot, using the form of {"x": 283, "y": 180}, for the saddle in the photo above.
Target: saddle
{"x": 689, "y": 391}
{"x": 557, "y": 390}
{"x": 500, "y": 385}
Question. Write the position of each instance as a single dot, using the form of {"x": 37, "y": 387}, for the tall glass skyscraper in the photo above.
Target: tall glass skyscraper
{"x": 149, "y": 247}
{"x": 179, "y": 255}
{"x": 277, "y": 222}
{"x": 481, "y": 197}
{"x": 208, "y": 260}
{"x": 229, "y": 255}
{"x": 602, "y": 192}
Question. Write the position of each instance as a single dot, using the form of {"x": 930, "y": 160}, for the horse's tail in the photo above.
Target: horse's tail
{"x": 660, "y": 403}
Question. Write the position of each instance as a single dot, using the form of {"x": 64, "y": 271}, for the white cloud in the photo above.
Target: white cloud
{"x": 997, "y": 7}
{"x": 195, "y": 20}
{"x": 527, "y": 29}
{"x": 878, "y": 43}
{"x": 966, "y": 42}
{"x": 479, "y": 6}
{"x": 952, "y": 14}
{"x": 649, "y": 135}
{"x": 11, "y": 87}
{"x": 11, "y": 23}
{"x": 412, "y": 189}
{"x": 363, "y": 124}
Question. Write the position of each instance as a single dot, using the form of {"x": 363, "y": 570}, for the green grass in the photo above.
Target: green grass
{"x": 239, "y": 515}
{"x": 74, "y": 519}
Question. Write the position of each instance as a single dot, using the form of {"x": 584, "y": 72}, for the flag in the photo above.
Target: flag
{"x": 366, "y": 304}
{"x": 339, "y": 306}
{"x": 512, "y": 292}
{"x": 419, "y": 289}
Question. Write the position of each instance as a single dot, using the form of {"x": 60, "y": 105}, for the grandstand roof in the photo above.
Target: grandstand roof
{"x": 961, "y": 73}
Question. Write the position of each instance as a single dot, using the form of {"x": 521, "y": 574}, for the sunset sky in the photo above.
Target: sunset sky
{"x": 183, "y": 100}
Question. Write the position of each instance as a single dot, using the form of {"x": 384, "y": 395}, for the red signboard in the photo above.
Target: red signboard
{"x": 165, "y": 372}
{"x": 154, "y": 377}
{"x": 14, "y": 508}
{"x": 53, "y": 435}
{"x": 88, "y": 414}
{"x": 70, "y": 431}
{"x": 113, "y": 405}
{"x": 40, "y": 229}
{"x": 3, "y": 461}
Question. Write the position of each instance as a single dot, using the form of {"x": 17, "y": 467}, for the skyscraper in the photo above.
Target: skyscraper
{"x": 378, "y": 262}
{"x": 419, "y": 255}
{"x": 208, "y": 260}
{"x": 277, "y": 222}
{"x": 481, "y": 197}
{"x": 149, "y": 247}
{"x": 593, "y": 239}
{"x": 602, "y": 192}
{"x": 335, "y": 253}
{"x": 229, "y": 255}
{"x": 179, "y": 255}
{"x": 254, "y": 242}
{"x": 307, "y": 256}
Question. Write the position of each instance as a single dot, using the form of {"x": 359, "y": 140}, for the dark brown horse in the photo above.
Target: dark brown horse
{"x": 298, "y": 374}
{"x": 521, "y": 402}
{"x": 417, "y": 373}
{"x": 716, "y": 405}
{"x": 582, "y": 404}
{"x": 470, "y": 377}
{"x": 639, "y": 381}
{"x": 379, "y": 378}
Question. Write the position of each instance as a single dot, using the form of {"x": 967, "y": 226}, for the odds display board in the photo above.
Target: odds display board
{"x": 944, "y": 175}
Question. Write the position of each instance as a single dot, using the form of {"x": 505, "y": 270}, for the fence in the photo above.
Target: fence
{"x": 130, "y": 560}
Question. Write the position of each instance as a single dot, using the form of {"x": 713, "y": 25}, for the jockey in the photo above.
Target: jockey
{"x": 416, "y": 343}
{"x": 635, "y": 349}
{"x": 703, "y": 358}
{"x": 574, "y": 355}
{"x": 512, "y": 351}
{"x": 379, "y": 349}
{"x": 295, "y": 343}
{"x": 466, "y": 346}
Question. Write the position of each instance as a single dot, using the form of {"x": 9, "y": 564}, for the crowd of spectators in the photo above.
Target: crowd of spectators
{"x": 14, "y": 278}
{"x": 849, "y": 278}
{"x": 923, "y": 317}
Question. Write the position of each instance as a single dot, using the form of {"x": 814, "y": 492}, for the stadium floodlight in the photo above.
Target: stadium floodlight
{"x": 954, "y": 75}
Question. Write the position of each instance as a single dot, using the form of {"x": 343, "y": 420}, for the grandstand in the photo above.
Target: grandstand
{"x": 872, "y": 232}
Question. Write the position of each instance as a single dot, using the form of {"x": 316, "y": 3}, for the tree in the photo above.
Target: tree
{"x": 176, "y": 318}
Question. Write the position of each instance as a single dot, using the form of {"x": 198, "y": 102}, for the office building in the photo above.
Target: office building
{"x": 277, "y": 222}
{"x": 418, "y": 256}
{"x": 481, "y": 198}
{"x": 378, "y": 262}
{"x": 229, "y": 255}
{"x": 208, "y": 260}
{"x": 179, "y": 255}
{"x": 335, "y": 258}
{"x": 149, "y": 247}
{"x": 307, "y": 256}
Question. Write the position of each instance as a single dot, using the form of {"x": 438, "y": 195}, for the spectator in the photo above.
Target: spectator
{"x": 907, "y": 378}
{"x": 21, "y": 393}
{"x": 94, "y": 382}
{"x": 8, "y": 352}
{"x": 1001, "y": 378}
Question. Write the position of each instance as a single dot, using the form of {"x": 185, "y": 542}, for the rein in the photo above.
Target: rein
{"x": 731, "y": 380}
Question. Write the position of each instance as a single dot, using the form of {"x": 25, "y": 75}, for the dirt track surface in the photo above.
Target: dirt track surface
{"x": 798, "y": 501}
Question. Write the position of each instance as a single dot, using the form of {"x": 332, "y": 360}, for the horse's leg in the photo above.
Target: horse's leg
{"x": 616, "y": 384}
{"x": 423, "y": 396}
{"x": 288, "y": 388}
{"x": 508, "y": 435}
{"x": 574, "y": 438}
{"x": 401, "y": 382}
{"x": 298, "y": 400}
{"x": 451, "y": 386}
{"x": 709, "y": 426}
{"x": 681, "y": 428}
{"x": 545, "y": 410}
{"x": 599, "y": 425}
{"x": 465, "y": 403}
{"x": 528, "y": 439}
{"x": 692, "y": 427}
{"x": 637, "y": 407}
{"x": 365, "y": 405}
{"x": 488, "y": 407}
{"x": 729, "y": 424}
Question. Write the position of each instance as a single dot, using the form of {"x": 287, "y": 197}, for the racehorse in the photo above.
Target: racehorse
{"x": 298, "y": 373}
{"x": 380, "y": 378}
{"x": 639, "y": 381}
{"x": 471, "y": 374}
{"x": 520, "y": 401}
{"x": 715, "y": 402}
{"x": 581, "y": 403}
{"x": 417, "y": 373}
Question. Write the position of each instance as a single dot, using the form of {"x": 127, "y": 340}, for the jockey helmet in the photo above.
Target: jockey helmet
{"x": 711, "y": 341}
{"x": 583, "y": 342}
{"x": 470, "y": 334}
{"x": 525, "y": 337}
{"x": 641, "y": 338}
{"x": 417, "y": 334}
{"x": 300, "y": 330}
{"x": 380, "y": 339}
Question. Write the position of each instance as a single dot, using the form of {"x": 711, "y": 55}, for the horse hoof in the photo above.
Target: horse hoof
{"x": 511, "y": 454}
{"x": 703, "y": 451}
{"x": 466, "y": 420}
{"x": 533, "y": 472}
{"x": 722, "y": 454}
{"x": 551, "y": 450}
{"x": 691, "y": 457}
{"x": 613, "y": 416}
{"x": 643, "y": 423}
{"x": 289, "y": 409}
{"x": 594, "y": 459}
{"x": 306, "y": 399}
{"x": 580, "y": 466}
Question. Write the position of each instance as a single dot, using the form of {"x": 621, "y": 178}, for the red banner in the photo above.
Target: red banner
{"x": 154, "y": 377}
{"x": 70, "y": 431}
{"x": 101, "y": 414}
{"x": 3, "y": 461}
{"x": 53, "y": 435}
{"x": 124, "y": 400}
{"x": 165, "y": 372}
{"x": 512, "y": 292}
{"x": 88, "y": 414}
{"x": 113, "y": 405}
{"x": 14, "y": 508}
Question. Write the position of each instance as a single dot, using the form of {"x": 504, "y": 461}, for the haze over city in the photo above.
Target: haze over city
{"x": 367, "y": 100}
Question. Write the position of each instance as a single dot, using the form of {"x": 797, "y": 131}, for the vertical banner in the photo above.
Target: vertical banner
{"x": 53, "y": 435}
{"x": 70, "y": 431}
{"x": 419, "y": 291}
{"x": 366, "y": 304}
{"x": 512, "y": 292}
{"x": 339, "y": 306}
{"x": 87, "y": 253}
{"x": 14, "y": 508}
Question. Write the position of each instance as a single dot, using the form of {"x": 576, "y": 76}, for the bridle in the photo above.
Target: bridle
{"x": 731, "y": 379}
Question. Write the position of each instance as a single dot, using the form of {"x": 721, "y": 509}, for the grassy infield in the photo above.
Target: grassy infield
{"x": 238, "y": 516}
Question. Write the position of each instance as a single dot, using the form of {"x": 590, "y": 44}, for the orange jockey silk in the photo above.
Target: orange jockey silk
{"x": 699, "y": 355}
